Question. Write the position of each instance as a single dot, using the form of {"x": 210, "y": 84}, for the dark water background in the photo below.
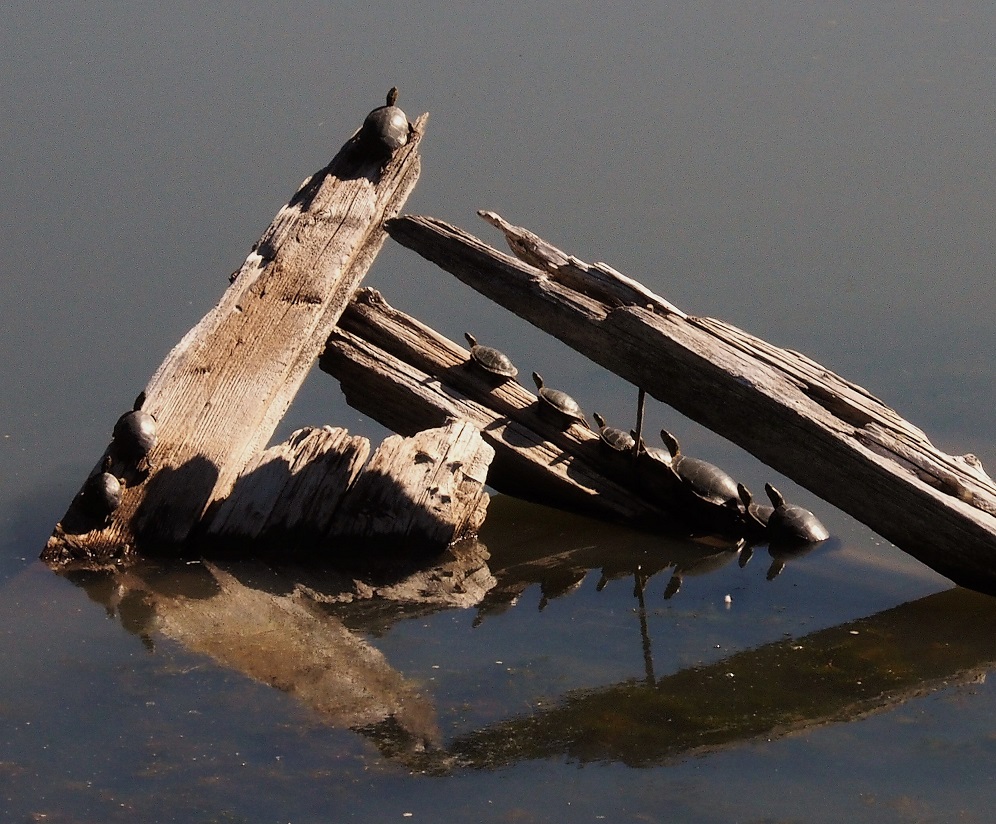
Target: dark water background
{"x": 818, "y": 173}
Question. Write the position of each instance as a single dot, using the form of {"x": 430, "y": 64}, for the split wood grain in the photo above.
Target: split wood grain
{"x": 317, "y": 492}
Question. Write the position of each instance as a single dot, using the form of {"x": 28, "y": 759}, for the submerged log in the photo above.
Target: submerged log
{"x": 409, "y": 377}
{"x": 223, "y": 389}
{"x": 826, "y": 433}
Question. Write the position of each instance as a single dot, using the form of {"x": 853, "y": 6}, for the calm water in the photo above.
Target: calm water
{"x": 818, "y": 173}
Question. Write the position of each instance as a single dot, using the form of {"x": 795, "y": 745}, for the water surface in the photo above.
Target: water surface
{"x": 817, "y": 173}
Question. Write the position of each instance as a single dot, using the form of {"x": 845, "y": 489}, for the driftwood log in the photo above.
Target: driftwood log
{"x": 223, "y": 389}
{"x": 826, "y": 433}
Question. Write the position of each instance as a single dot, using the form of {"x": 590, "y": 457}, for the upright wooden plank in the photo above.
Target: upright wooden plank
{"x": 220, "y": 393}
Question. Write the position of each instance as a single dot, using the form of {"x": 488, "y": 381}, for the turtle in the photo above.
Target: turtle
{"x": 756, "y": 516}
{"x": 386, "y": 128}
{"x": 615, "y": 439}
{"x": 789, "y": 523}
{"x": 102, "y": 493}
{"x": 709, "y": 483}
{"x": 655, "y": 472}
{"x": 560, "y": 404}
{"x": 135, "y": 434}
{"x": 493, "y": 362}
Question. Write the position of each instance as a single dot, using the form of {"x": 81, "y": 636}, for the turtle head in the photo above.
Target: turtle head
{"x": 776, "y": 497}
{"x": 671, "y": 443}
{"x": 599, "y": 420}
{"x": 745, "y": 497}
{"x": 471, "y": 340}
{"x": 538, "y": 380}
{"x": 392, "y": 96}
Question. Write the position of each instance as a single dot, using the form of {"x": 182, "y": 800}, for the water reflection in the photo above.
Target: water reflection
{"x": 311, "y": 633}
{"x": 839, "y": 674}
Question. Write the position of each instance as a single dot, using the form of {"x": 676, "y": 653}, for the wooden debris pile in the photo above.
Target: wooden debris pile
{"x": 220, "y": 393}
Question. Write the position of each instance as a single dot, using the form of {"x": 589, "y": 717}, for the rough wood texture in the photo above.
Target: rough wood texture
{"x": 821, "y": 430}
{"x": 408, "y": 376}
{"x": 294, "y": 487}
{"x": 222, "y": 390}
{"x": 426, "y": 491}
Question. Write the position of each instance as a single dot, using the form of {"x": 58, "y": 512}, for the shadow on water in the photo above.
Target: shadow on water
{"x": 305, "y": 631}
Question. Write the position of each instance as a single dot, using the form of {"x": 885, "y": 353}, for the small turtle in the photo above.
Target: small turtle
{"x": 562, "y": 405}
{"x": 135, "y": 433}
{"x": 756, "y": 516}
{"x": 656, "y": 474}
{"x": 102, "y": 493}
{"x": 613, "y": 438}
{"x": 789, "y": 523}
{"x": 386, "y": 128}
{"x": 495, "y": 363}
{"x": 706, "y": 480}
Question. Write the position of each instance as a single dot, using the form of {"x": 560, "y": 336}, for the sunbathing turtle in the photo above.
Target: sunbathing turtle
{"x": 706, "y": 480}
{"x": 561, "y": 405}
{"x": 490, "y": 360}
{"x": 386, "y": 128}
{"x": 756, "y": 516}
{"x": 135, "y": 434}
{"x": 615, "y": 439}
{"x": 102, "y": 493}
{"x": 789, "y": 523}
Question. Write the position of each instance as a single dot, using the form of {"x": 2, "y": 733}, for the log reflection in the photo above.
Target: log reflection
{"x": 303, "y": 631}
{"x": 839, "y": 674}
{"x": 275, "y": 627}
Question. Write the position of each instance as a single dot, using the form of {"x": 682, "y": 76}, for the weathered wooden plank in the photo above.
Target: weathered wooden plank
{"x": 426, "y": 490}
{"x": 294, "y": 487}
{"x": 220, "y": 393}
{"x": 317, "y": 487}
{"x": 408, "y": 377}
{"x": 821, "y": 430}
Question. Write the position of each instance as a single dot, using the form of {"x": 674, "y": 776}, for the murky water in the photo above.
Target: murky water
{"x": 817, "y": 173}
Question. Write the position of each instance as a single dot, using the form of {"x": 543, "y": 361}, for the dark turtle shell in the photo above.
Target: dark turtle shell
{"x": 102, "y": 493}
{"x": 559, "y": 402}
{"x": 791, "y": 523}
{"x": 386, "y": 128}
{"x": 490, "y": 360}
{"x": 706, "y": 480}
{"x": 614, "y": 438}
{"x": 135, "y": 434}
